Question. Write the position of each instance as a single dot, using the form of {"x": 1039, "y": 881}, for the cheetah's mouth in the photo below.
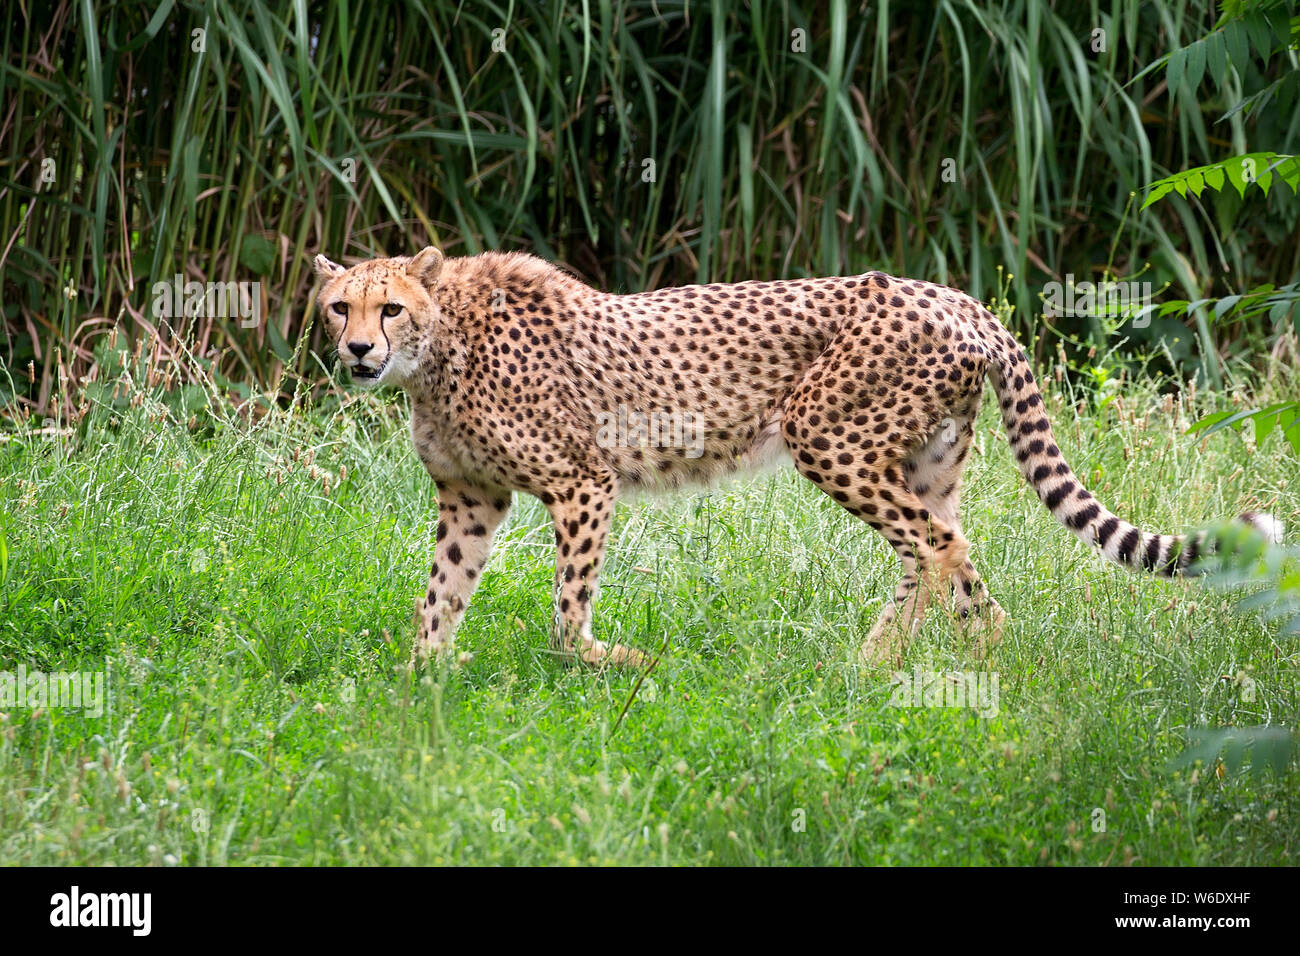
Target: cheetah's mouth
{"x": 366, "y": 373}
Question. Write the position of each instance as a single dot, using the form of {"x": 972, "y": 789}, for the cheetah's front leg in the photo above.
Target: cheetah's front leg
{"x": 582, "y": 515}
{"x": 468, "y": 515}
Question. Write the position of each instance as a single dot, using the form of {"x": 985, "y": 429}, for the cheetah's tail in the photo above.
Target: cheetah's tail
{"x": 1041, "y": 462}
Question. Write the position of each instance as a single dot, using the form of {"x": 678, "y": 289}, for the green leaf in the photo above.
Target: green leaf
{"x": 1158, "y": 191}
{"x": 1226, "y": 420}
{"x": 283, "y": 351}
{"x": 1234, "y": 35}
{"x": 1224, "y": 304}
{"x": 1216, "y": 55}
{"x": 1206, "y": 422}
{"x": 257, "y": 255}
{"x": 1261, "y": 35}
{"x": 1234, "y": 754}
{"x": 1292, "y": 434}
{"x": 1241, "y": 172}
{"x": 1287, "y": 169}
{"x": 1264, "y": 425}
{"x": 1175, "y": 69}
{"x": 1195, "y": 65}
{"x": 1271, "y": 747}
{"x": 1276, "y": 753}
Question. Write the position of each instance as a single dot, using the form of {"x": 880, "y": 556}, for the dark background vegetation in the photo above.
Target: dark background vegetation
{"x": 361, "y": 130}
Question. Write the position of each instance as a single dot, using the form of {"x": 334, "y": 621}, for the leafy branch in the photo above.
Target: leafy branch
{"x": 1272, "y": 747}
{"x": 1281, "y": 415}
{"x": 1276, "y": 301}
{"x": 1246, "y": 559}
{"x": 1265, "y": 28}
{"x": 1239, "y": 171}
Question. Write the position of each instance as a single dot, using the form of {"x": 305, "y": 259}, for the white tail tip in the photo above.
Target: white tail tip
{"x": 1265, "y": 524}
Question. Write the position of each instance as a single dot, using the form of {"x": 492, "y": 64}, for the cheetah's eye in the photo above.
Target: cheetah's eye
{"x": 390, "y": 309}
{"x": 340, "y": 307}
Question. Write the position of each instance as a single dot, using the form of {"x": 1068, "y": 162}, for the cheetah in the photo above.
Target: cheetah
{"x": 522, "y": 378}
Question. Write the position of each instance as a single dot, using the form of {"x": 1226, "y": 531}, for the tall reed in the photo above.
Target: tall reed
{"x": 640, "y": 143}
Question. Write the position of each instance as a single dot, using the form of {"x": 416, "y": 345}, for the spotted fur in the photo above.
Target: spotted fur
{"x": 870, "y": 385}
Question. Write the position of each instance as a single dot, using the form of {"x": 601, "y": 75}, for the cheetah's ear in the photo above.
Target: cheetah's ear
{"x": 326, "y": 269}
{"x": 425, "y": 266}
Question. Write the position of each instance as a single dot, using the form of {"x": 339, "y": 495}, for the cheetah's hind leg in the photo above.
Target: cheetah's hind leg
{"x": 934, "y": 474}
{"x": 861, "y": 467}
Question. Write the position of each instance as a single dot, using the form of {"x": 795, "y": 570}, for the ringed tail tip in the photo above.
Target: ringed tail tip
{"x": 1267, "y": 525}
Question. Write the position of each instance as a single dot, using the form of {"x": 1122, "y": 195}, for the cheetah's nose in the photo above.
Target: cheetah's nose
{"x": 359, "y": 349}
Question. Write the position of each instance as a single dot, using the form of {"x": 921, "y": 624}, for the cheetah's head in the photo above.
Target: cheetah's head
{"x": 376, "y": 313}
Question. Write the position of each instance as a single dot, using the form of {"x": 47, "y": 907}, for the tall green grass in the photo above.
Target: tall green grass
{"x": 785, "y": 139}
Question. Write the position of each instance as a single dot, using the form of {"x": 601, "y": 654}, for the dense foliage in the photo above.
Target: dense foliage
{"x": 640, "y": 143}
